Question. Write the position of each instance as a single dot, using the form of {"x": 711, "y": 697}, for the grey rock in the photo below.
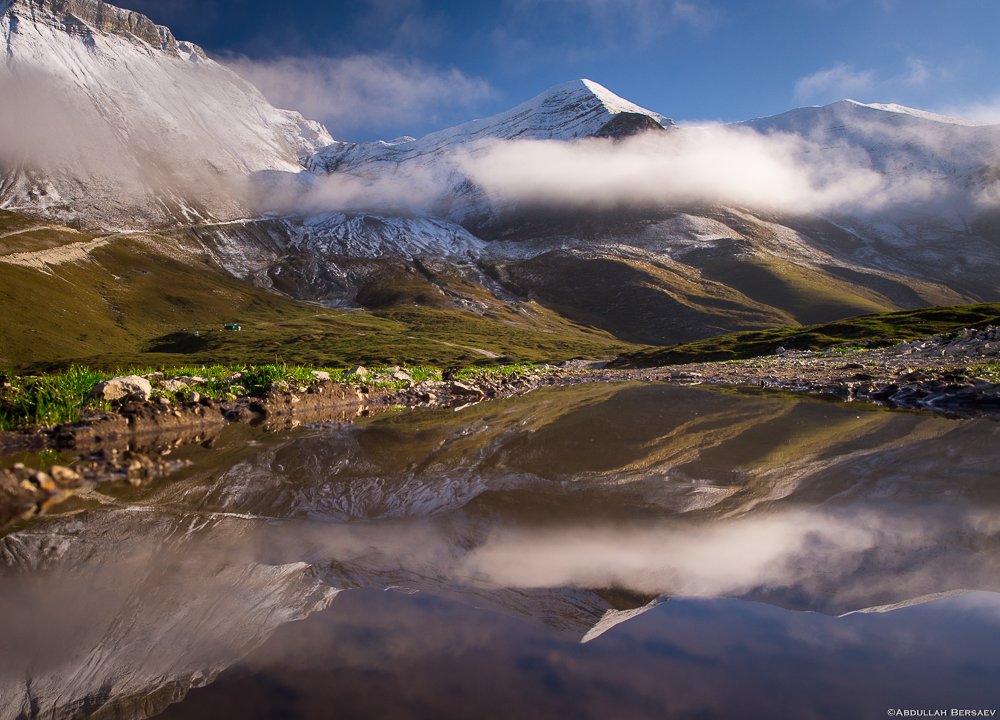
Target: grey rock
{"x": 119, "y": 388}
{"x": 463, "y": 389}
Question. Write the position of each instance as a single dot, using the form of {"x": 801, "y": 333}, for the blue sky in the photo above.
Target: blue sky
{"x": 383, "y": 68}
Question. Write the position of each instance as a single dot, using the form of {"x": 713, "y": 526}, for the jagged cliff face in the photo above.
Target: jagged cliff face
{"x": 118, "y": 124}
{"x": 83, "y": 17}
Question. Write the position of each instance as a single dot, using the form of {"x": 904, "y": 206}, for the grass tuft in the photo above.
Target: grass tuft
{"x": 45, "y": 400}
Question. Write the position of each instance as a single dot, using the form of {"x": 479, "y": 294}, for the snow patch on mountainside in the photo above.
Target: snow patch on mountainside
{"x": 914, "y": 112}
{"x": 44, "y": 259}
{"x": 371, "y": 236}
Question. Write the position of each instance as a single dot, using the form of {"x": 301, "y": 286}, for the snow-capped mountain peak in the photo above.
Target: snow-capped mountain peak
{"x": 574, "y": 109}
{"x": 571, "y": 110}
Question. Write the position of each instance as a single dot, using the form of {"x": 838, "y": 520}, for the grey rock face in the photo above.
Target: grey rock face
{"x": 76, "y": 15}
{"x": 626, "y": 124}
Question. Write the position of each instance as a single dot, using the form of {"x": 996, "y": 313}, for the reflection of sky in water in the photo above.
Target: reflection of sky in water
{"x": 375, "y": 654}
{"x": 525, "y": 527}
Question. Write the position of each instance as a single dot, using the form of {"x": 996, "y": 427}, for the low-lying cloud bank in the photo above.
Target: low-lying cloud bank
{"x": 713, "y": 164}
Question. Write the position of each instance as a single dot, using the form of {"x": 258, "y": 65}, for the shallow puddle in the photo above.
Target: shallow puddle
{"x": 599, "y": 551}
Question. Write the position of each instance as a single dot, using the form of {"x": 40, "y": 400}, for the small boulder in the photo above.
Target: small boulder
{"x": 320, "y": 375}
{"x": 173, "y": 385}
{"x": 402, "y": 375}
{"x": 463, "y": 389}
{"x": 119, "y": 388}
{"x": 65, "y": 477}
{"x": 360, "y": 372}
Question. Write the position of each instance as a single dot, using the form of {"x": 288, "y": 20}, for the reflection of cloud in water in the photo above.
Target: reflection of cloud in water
{"x": 832, "y": 561}
{"x": 815, "y": 560}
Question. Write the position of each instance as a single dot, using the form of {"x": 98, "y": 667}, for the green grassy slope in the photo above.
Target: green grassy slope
{"x": 867, "y": 330}
{"x": 133, "y": 301}
{"x": 639, "y": 301}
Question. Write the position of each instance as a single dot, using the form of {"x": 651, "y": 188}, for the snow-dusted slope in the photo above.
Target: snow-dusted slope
{"x": 116, "y": 118}
{"x": 576, "y": 109}
{"x": 896, "y": 139}
{"x": 931, "y": 213}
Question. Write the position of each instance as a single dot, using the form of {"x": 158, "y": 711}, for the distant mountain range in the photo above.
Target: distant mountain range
{"x": 578, "y": 200}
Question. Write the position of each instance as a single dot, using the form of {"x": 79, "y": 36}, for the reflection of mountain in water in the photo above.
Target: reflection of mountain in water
{"x": 577, "y": 509}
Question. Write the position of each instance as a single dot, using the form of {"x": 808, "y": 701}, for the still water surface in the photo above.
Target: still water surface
{"x": 603, "y": 551}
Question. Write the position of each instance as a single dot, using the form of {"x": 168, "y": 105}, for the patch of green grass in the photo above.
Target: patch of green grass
{"x": 61, "y": 396}
{"x": 497, "y": 372}
{"x": 844, "y": 336}
{"x": 47, "y": 399}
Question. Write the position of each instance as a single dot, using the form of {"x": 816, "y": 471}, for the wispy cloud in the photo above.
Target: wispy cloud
{"x": 577, "y": 29}
{"x": 918, "y": 72}
{"x": 834, "y": 83}
{"x": 843, "y": 80}
{"x": 363, "y": 93}
{"x": 646, "y": 19}
{"x": 986, "y": 110}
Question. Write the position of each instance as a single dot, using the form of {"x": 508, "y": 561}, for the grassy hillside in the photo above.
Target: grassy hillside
{"x": 137, "y": 300}
{"x": 637, "y": 300}
{"x": 867, "y": 330}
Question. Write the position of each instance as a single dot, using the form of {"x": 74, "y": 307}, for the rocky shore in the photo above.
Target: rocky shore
{"x": 957, "y": 375}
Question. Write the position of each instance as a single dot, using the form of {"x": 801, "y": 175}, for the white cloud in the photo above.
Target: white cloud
{"x": 362, "y": 93}
{"x": 834, "y": 83}
{"x": 715, "y": 164}
{"x": 918, "y": 72}
{"x": 842, "y": 80}
{"x": 984, "y": 110}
